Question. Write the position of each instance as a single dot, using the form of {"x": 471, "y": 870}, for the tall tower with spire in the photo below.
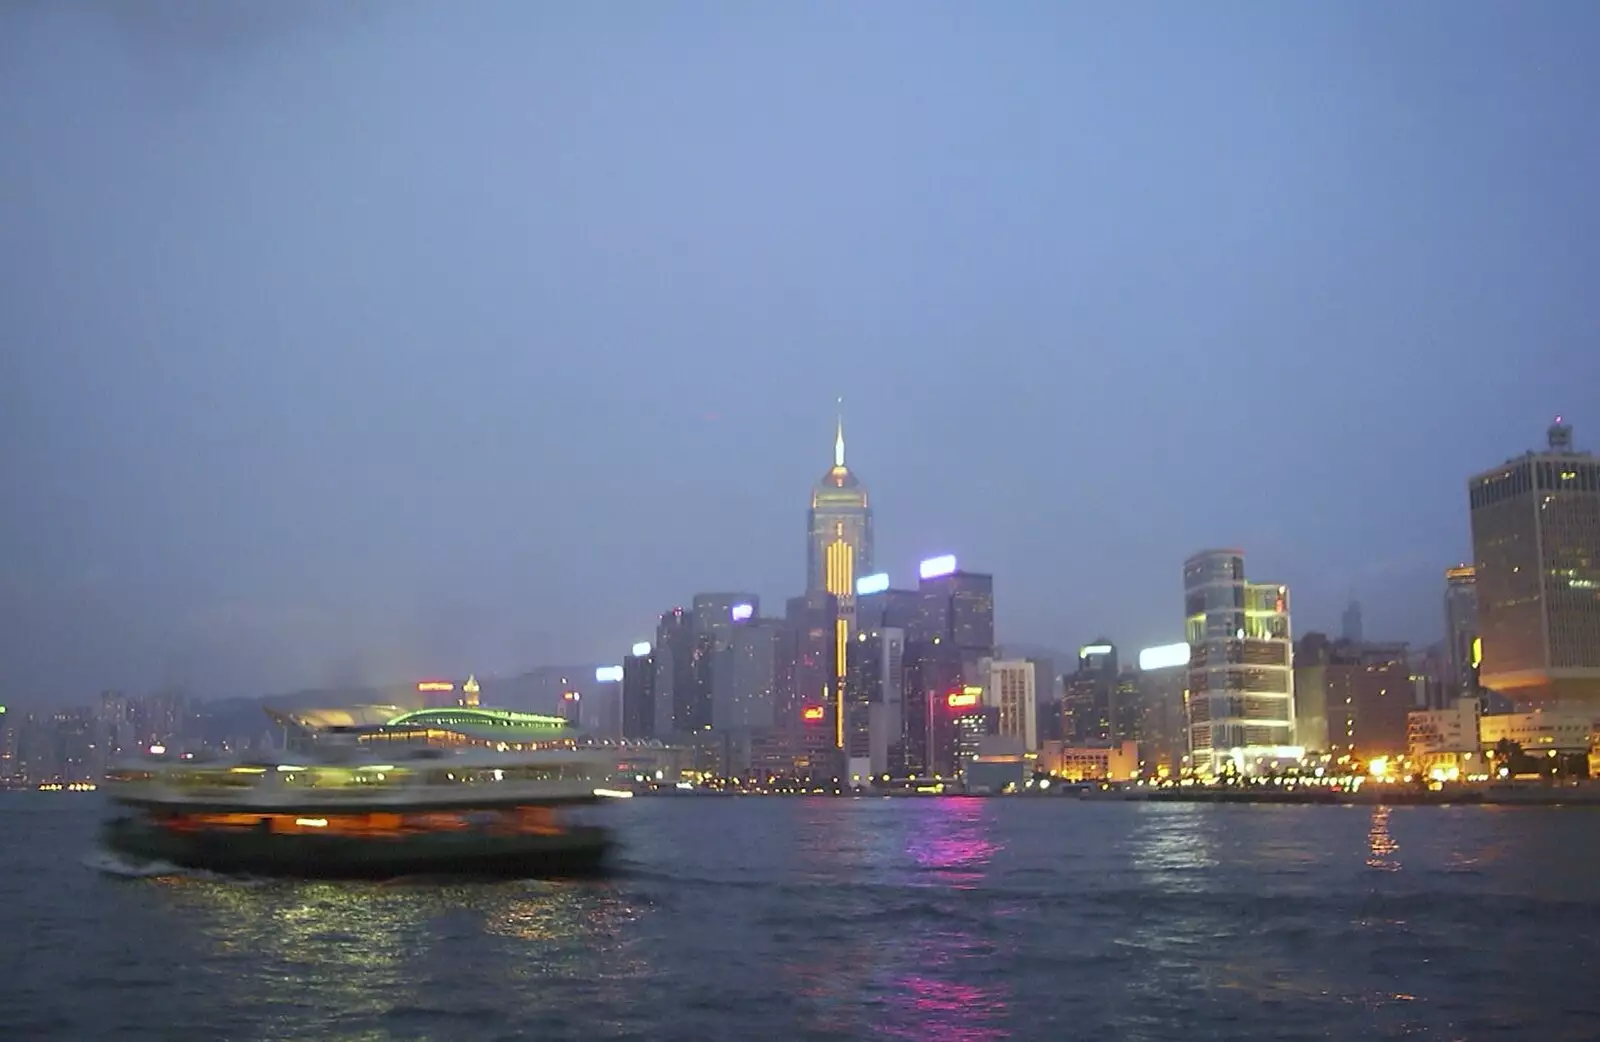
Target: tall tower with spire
{"x": 838, "y": 552}
{"x": 838, "y": 528}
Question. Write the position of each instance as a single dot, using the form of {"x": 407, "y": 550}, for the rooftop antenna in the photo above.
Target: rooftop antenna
{"x": 838, "y": 439}
{"x": 1560, "y": 436}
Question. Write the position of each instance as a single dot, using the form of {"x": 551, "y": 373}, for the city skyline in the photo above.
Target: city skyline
{"x": 480, "y": 364}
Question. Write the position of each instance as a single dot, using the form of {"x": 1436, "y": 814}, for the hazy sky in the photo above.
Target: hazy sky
{"x": 357, "y": 341}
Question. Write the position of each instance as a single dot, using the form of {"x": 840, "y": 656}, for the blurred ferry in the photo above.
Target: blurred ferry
{"x": 343, "y": 811}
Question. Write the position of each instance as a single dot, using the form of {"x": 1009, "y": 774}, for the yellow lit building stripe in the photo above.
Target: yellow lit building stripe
{"x": 842, "y": 632}
{"x": 840, "y": 579}
{"x": 841, "y": 568}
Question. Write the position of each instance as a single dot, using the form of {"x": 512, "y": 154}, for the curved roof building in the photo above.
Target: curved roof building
{"x": 449, "y": 725}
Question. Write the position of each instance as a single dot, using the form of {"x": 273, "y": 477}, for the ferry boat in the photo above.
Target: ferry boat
{"x": 345, "y": 813}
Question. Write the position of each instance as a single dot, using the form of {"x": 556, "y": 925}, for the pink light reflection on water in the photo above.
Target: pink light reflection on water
{"x": 934, "y": 1010}
{"x": 951, "y": 843}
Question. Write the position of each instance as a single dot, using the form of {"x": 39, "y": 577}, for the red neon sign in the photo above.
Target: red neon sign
{"x": 811, "y": 714}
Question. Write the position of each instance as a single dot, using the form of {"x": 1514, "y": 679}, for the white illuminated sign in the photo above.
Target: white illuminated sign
{"x": 1164, "y": 656}
{"x": 642, "y": 648}
{"x": 608, "y": 674}
{"x": 934, "y": 567}
{"x": 872, "y": 584}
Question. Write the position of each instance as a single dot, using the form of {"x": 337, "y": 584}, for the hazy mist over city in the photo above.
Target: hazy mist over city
{"x": 354, "y": 342}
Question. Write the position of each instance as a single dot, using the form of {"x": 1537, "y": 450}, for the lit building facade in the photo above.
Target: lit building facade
{"x": 838, "y": 529}
{"x": 1163, "y": 731}
{"x": 1352, "y": 698}
{"x": 1536, "y": 550}
{"x": 838, "y": 551}
{"x": 1240, "y": 692}
{"x": 1460, "y": 631}
{"x": 1010, "y": 689}
{"x": 1444, "y": 738}
{"x": 1081, "y": 763}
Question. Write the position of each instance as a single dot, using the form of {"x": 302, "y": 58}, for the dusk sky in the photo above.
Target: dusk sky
{"x": 363, "y": 341}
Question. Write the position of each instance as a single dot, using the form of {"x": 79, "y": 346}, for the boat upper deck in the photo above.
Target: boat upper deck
{"x": 350, "y": 777}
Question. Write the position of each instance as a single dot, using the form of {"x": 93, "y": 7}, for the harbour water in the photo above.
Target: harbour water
{"x": 778, "y": 919}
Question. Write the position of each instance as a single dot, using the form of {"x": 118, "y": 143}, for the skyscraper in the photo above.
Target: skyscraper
{"x": 838, "y": 529}
{"x": 897, "y": 609}
{"x": 1352, "y": 698}
{"x": 806, "y": 667}
{"x": 932, "y": 673}
{"x": 677, "y": 683}
{"x": 838, "y": 550}
{"x": 1241, "y": 684}
{"x": 743, "y": 677}
{"x": 639, "y": 694}
{"x": 1350, "y": 623}
{"x": 715, "y": 617}
{"x": 874, "y": 704}
{"x": 1163, "y": 731}
{"x": 956, "y": 608}
{"x": 807, "y": 675}
{"x": 1460, "y": 628}
{"x": 1536, "y": 548}
{"x": 1010, "y": 689}
{"x": 1086, "y": 716}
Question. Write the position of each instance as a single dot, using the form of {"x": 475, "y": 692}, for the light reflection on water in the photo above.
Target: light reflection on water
{"x": 900, "y": 958}
{"x": 953, "y": 843}
{"x": 1381, "y": 845}
{"x": 904, "y": 919}
{"x": 951, "y": 992}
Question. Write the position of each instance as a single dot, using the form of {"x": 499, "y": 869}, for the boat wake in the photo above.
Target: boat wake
{"x": 113, "y": 864}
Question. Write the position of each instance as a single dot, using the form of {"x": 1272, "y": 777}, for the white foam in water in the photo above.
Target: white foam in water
{"x": 116, "y": 865}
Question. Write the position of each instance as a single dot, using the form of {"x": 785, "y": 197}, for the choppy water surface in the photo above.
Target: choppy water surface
{"x": 777, "y": 919}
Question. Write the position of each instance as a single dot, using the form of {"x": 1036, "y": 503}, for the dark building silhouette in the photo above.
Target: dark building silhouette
{"x": 1086, "y": 695}
{"x": 639, "y": 696}
{"x": 931, "y": 672}
{"x": 958, "y": 608}
{"x": 678, "y": 681}
{"x": 891, "y": 609}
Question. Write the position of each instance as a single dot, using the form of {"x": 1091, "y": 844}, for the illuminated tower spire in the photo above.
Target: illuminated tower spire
{"x": 838, "y": 439}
